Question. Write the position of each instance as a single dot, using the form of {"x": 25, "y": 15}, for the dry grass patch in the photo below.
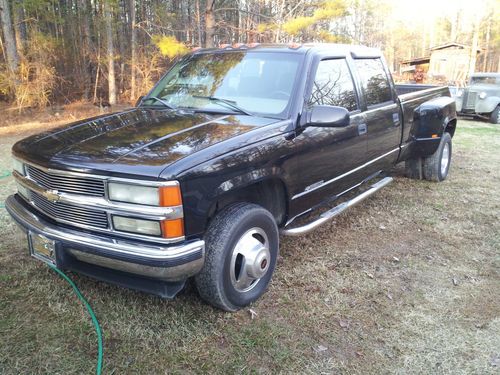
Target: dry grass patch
{"x": 406, "y": 282}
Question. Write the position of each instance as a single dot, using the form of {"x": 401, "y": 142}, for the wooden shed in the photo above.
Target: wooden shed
{"x": 447, "y": 63}
{"x": 450, "y": 62}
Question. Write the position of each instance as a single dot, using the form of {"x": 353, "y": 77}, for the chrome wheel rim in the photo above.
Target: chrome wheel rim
{"x": 445, "y": 159}
{"x": 250, "y": 260}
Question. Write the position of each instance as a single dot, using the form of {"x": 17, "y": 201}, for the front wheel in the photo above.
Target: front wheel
{"x": 495, "y": 116}
{"x": 437, "y": 165}
{"x": 242, "y": 244}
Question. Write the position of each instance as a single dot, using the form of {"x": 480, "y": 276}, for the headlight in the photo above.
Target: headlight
{"x": 133, "y": 194}
{"x": 140, "y": 226}
{"x": 18, "y": 166}
{"x": 165, "y": 196}
{"x": 483, "y": 95}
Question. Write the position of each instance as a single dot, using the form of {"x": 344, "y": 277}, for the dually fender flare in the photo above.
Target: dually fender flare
{"x": 434, "y": 116}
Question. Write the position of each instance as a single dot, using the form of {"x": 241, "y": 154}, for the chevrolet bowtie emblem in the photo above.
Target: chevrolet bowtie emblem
{"x": 52, "y": 195}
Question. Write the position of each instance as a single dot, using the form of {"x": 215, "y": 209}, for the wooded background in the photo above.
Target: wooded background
{"x": 59, "y": 51}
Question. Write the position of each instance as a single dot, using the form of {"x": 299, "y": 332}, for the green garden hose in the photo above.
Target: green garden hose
{"x": 4, "y": 174}
{"x": 92, "y": 316}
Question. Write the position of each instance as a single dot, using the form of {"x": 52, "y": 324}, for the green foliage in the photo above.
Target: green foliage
{"x": 169, "y": 46}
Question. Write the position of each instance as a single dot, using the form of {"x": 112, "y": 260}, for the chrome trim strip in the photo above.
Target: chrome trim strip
{"x": 146, "y": 251}
{"x": 428, "y": 139}
{"x": 147, "y": 212}
{"x": 337, "y": 210}
{"x": 345, "y": 174}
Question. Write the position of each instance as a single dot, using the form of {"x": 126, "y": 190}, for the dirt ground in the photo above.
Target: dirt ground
{"x": 408, "y": 282}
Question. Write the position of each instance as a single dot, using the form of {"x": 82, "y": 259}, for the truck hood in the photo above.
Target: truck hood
{"x": 138, "y": 142}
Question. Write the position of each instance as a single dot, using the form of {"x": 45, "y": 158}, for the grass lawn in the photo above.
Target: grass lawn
{"x": 406, "y": 282}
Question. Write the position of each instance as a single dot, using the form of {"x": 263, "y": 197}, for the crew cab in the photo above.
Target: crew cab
{"x": 232, "y": 147}
{"x": 481, "y": 98}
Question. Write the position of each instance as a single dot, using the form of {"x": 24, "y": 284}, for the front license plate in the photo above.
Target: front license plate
{"x": 42, "y": 248}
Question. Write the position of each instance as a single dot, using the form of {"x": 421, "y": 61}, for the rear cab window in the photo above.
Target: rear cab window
{"x": 374, "y": 82}
{"x": 333, "y": 85}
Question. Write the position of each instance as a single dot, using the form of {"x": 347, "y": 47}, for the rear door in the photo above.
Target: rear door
{"x": 329, "y": 157}
{"x": 382, "y": 114}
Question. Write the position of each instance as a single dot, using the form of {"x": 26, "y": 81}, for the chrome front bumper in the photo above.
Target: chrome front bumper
{"x": 157, "y": 261}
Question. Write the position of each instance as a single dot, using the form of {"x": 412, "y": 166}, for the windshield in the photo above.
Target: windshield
{"x": 239, "y": 81}
{"x": 485, "y": 80}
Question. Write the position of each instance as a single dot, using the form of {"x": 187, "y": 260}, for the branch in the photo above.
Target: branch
{"x": 244, "y": 11}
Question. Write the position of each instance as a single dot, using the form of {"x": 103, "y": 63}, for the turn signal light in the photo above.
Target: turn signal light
{"x": 172, "y": 228}
{"x": 170, "y": 196}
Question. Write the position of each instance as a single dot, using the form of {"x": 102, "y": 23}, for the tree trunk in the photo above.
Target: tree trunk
{"x": 474, "y": 47}
{"x": 198, "y": 22}
{"x": 19, "y": 27}
{"x": 487, "y": 47}
{"x": 85, "y": 10}
{"x": 9, "y": 38}
{"x": 209, "y": 24}
{"x": 133, "y": 38}
{"x": 111, "y": 54}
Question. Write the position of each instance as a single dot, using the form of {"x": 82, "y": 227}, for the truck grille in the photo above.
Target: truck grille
{"x": 470, "y": 101}
{"x": 67, "y": 184}
{"x": 69, "y": 213}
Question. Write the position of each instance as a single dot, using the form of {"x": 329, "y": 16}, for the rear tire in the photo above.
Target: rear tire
{"x": 495, "y": 116}
{"x": 437, "y": 165}
{"x": 242, "y": 245}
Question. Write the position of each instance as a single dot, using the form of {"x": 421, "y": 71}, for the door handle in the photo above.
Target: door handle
{"x": 362, "y": 129}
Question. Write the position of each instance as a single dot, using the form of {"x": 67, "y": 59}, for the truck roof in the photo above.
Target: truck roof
{"x": 337, "y": 49}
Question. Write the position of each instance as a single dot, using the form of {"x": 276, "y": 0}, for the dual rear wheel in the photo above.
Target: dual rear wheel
{"x": 434, "y": 167}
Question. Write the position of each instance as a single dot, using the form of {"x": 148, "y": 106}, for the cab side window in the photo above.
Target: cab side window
{"x": 333, "y": 85}
{"x": 374, "y": 81}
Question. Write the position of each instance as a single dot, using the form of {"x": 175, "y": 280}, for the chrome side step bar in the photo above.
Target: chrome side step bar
{"x": 337, "y": 210}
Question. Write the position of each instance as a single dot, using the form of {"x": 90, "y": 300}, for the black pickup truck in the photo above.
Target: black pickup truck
{"x": 230, "y": 148}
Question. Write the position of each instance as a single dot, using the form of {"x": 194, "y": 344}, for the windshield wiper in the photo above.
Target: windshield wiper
{"x": 230, "y": 103}
{"x": 165, "y": 103}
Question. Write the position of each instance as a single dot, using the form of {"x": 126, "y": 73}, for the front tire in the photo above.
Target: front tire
{"x": 242, "y": 245}
{"x": 437, "y": 165}
{"x": 495, "y": 116}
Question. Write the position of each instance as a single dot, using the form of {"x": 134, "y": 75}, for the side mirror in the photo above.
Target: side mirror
{"x": 329, "y": 116}
{"x": 139, "y": 100}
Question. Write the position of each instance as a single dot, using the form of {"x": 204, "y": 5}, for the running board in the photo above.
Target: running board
{"x": 337, "y": 210}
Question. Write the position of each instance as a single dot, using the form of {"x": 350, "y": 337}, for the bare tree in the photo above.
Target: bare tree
{"x": 133, "y": 50}
{"x": 8, "y": 33}
{"x": 111, "y": 54}
{"x": 209, "y": 24}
